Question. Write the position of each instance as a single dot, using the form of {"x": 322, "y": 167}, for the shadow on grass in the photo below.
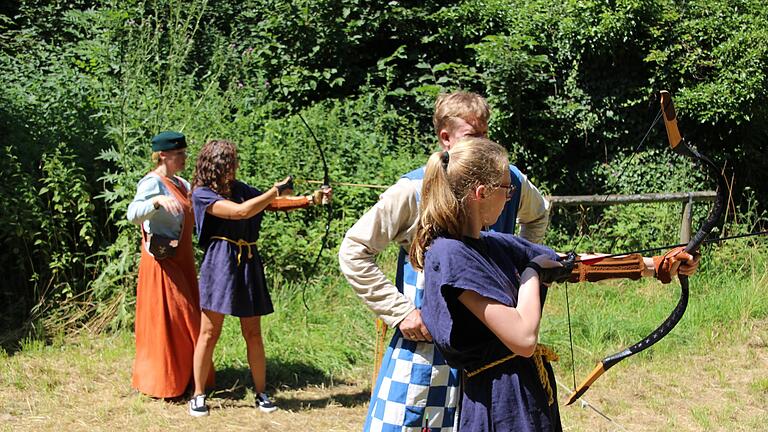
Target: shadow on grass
{"x": 345, "y": 400}
{"x": 233, "y": 383}
{"x": 12, "y": 340}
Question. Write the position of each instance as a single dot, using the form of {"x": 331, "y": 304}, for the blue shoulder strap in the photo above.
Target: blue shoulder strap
{"x": 404, "y": 269}
{"x": 508, "y": 219}
{"x": 417, "y": 174}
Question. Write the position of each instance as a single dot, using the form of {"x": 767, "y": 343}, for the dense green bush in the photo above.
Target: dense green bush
{"x": 84, "y": 84}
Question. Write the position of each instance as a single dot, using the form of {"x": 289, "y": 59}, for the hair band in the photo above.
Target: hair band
{"x": 445, "y": 158}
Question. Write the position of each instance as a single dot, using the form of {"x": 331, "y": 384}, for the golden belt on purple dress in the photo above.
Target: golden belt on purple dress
{"x": 240, "y": 243}
{"x": 541, "y": 353}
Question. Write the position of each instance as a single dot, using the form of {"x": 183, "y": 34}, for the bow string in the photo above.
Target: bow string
{"x": 329, "y": 214}
{"x": 326, "y": 184}
{"x": 680, "y": 146}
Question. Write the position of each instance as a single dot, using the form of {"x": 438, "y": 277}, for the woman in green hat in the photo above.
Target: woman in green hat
{"x": 167, "y": 298}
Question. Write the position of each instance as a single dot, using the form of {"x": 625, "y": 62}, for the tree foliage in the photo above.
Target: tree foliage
{"x": 84, "y": 84}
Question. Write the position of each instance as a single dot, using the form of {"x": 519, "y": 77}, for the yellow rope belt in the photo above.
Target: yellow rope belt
{"x": 541, "y": 354}
{"x": 240, "y": 244}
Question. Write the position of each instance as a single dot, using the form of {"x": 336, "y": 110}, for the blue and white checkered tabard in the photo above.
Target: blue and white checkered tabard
{"x": 414, "y": 381}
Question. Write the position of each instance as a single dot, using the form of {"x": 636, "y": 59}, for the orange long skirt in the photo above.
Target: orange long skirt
{"x": 167, "y": 315}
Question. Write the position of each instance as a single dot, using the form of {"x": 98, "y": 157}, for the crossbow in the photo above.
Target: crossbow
{"x": 680, "y": 146}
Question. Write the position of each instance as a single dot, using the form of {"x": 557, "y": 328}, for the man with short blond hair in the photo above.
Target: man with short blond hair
{"x": 415, "y": 383}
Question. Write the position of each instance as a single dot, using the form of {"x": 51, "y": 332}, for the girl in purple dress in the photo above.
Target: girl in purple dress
{"x": 228, "y": 216}
{"x": 484, "y": 291}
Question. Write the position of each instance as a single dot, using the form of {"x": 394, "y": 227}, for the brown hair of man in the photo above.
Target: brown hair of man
{"x": 467, "y": 106}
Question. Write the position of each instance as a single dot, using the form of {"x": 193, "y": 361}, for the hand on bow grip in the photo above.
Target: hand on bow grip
{"x": 322, "y": 196}
{"x": 550, "y": 270}
{"x": 284, "y": 187}
{"x": 676, "y": 261}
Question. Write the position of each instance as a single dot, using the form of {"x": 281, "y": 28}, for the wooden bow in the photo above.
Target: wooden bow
{"x": 678, "y": 144}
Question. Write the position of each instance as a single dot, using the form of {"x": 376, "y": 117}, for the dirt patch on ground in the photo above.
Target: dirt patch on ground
{"x": 723, "y": 389}
{"x": 86, "y": 387}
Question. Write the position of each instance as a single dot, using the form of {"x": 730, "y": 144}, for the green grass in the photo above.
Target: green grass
{"x": 726, "y": 295}
{"x": 330, "y": 341}
{"x": 698, "y": 378}
{"x": 317, "y": 345}
{"x": 760, "y": 386}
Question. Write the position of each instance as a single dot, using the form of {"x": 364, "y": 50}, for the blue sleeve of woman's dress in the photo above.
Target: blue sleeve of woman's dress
{"x": 202, "y": 198}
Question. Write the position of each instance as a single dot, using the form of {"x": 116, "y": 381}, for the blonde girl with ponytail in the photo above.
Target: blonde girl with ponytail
{"x": 450, "y": 178}
{"x": 484, "y": 291}
{"x": 483, "y": 297}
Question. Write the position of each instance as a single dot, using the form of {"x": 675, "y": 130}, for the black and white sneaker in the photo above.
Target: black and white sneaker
{"x": 264, "y": 403}
{"x": 197, "y": 406}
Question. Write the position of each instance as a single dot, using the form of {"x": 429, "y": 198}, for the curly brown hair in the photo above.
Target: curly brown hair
{"x": 215, "y": 167}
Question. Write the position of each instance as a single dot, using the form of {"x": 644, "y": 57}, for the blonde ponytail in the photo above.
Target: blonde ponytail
{"x": 449, "y": 177}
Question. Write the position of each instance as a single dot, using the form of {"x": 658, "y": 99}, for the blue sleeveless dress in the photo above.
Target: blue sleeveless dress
{"x": 232, "y": 279}
{"x": 500, "y": 393}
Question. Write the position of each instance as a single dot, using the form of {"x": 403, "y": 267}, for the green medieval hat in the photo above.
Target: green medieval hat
{"x": 168, "y": 140}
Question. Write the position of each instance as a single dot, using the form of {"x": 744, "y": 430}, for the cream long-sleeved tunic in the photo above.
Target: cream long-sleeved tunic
{"x": 393, "y": 219}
